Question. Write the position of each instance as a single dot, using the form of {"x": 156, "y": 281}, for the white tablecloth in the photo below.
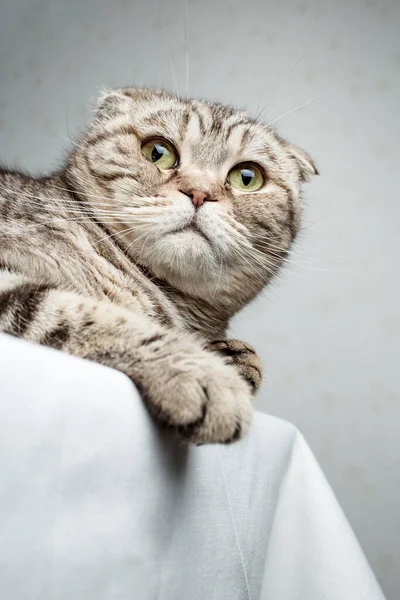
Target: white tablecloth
{"x": 96, "y": 503}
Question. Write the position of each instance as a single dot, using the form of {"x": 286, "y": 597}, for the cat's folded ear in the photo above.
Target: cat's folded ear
{"x": 110, "y": 103}
{"x": 304, "y": 162}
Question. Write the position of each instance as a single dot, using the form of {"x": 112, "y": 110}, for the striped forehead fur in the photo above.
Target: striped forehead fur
{"x": 186, "y": 118}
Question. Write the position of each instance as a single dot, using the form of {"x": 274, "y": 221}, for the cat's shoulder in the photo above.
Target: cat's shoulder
{"x": 15, "y": 181}
{"x": 12, "y": 180}
{"x": 22, "y": 176}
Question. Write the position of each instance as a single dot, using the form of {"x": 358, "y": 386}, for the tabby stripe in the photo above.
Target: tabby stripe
{"x": 113, "y": 258}
{"x": 121, "y": 149}
{"x": 236, "y": 435}
{"x": 267, "y": 226}
{"x": 200, "y": 119}
{"x": 129, "y": 94}
{"x": 107, "y": 176}
{"x": 113, "y": 176}
{"x": 232, "y": 352}
{"x": 154, "y": 338}
{"x": 99, "y": 181}
{"x": 126, "y": 129}
{"x": 233, "y": 126}
{"x": 162, "y": 316}
{"x": 251, "y": 380}
{"x": 185, "y": 123}
{"x": 6, "y": 208}
{"x": 291, "y": 223}
{"x": 57, "y": 337}
{"x": 24, "y": 302}
{"x": 245, "y": 138}
{"x": 119, "y": 262}
{"x": 272, "y": 156}
{"x": 216, "y": 127}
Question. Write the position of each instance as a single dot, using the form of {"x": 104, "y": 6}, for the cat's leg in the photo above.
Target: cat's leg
{"x": 184, "y": 385}
{"x": 243, "y": 357}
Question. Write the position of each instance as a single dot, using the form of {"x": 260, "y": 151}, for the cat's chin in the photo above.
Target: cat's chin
{"x": 188, "y": 250}
{"x": 189, "y": 236}
{"x": 183, "y": 258}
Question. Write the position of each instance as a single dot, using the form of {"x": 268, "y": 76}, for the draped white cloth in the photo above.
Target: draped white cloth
{"x": 96, "y": 503}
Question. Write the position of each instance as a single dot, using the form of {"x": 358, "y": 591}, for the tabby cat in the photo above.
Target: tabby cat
{"x": 168, "y": 217}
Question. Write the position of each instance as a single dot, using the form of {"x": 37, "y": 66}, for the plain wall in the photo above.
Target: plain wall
{"x": 328, "y": 329}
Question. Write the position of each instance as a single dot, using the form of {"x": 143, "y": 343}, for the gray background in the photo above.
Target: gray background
{"x": 328, "y": 330}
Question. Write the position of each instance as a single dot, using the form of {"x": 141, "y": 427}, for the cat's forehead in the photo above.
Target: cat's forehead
{"x": 210, "y": 133}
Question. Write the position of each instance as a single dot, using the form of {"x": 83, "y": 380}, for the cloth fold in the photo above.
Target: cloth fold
{"x": 97, "y": 503}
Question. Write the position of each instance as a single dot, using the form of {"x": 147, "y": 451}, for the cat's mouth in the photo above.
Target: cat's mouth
{"x": 192, "y": 228}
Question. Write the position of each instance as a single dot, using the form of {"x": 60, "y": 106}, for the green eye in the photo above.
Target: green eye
{"x": 246, "y": 177}
{"x": 161, "y": 153}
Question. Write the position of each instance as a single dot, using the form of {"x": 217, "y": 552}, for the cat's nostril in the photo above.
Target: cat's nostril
{"x": 198, "y": 197}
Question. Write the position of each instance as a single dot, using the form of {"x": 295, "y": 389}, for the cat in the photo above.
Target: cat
{"x": 166, "y": 219}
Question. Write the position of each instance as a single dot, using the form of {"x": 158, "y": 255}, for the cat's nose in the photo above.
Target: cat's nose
{"x": 198, "y": 197}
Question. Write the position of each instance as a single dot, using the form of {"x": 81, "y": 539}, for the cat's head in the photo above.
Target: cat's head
{"x": 201, "y": 194}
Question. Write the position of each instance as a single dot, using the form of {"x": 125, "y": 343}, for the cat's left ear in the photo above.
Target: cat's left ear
{"x": 110, "y": 103}
{"x": 304, "y": 162}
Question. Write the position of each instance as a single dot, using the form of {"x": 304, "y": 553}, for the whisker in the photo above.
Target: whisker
{"x": 62, "y": 201}
{"x": 184, "y": 6}
{"x": 261, "y": 259}
{"x": 21, "y": 229}
{"x": 70, "y": 203}
{"x": 265, "y": 242}
{"x": 115, "y": 234}
{"x": 302, "y": 85}
{"x": 113, "y": 200}
{"x": 66, "y": 122}
{"x": 219, "y": 278}
{"x": 74, "y": 209}
{"x": 167, "y": 49}
{"x": 278, "y": 251}
{"x": 302, "y": 105}
{"x": 251, "y": 265}
{"x": 301, "y": 265}
{"x": 73, "y": 142}
{"x": 298, "y": 61}
{"x": 320, "y": 219}
{"x": 145, "y": 241}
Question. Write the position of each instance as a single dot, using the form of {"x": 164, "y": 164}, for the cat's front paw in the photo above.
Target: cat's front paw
{"x": 204, "y": 399}
{"x": 244, "y": 358}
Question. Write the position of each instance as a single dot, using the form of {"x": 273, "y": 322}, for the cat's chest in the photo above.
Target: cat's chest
{"x": 126, "y": 286}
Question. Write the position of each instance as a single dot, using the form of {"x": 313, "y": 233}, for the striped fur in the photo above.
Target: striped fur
{"x": 109, "y": 260}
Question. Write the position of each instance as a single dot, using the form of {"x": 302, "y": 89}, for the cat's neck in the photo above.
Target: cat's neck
{"x": 210, "y": 321}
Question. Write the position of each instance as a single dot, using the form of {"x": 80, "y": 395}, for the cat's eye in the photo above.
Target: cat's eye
{"x": 246, "y": 177}
{"x": 161, "y": 153}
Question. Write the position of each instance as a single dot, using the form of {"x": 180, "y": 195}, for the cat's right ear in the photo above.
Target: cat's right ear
{"x": 110, "y": 103}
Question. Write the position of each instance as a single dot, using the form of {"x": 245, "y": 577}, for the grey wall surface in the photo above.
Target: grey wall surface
{"x": 328, "y": 330}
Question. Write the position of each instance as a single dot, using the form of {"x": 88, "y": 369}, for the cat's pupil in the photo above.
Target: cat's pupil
{"x": 157, "y": 152}
{"x": 247, "y": 176}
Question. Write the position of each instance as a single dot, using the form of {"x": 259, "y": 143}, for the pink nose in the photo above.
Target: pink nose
{"x": 197, "y": 197}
